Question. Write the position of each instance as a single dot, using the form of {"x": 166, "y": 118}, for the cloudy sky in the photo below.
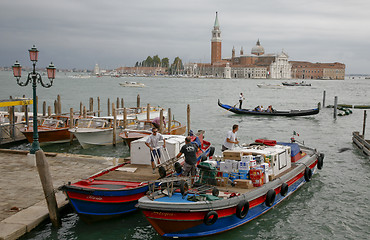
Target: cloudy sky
{"x": 114, "y": 33}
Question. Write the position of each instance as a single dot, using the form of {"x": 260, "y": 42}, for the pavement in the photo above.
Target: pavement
{"x": 22, "y": 201}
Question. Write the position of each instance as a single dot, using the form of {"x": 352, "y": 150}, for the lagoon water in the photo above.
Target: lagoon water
{"x": 334, "y": 205}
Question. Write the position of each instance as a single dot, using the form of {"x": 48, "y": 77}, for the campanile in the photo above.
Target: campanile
{"x": 216, "y": 42}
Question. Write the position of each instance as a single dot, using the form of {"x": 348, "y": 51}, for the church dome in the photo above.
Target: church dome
{"x": 258, "y": 49}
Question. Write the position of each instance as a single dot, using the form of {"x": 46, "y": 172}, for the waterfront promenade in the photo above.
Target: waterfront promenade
{"x": 22, "y": 201}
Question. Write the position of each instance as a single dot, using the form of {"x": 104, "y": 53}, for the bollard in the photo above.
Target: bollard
{"x": 47, "y": 186}
{"x": 323, "y": 99}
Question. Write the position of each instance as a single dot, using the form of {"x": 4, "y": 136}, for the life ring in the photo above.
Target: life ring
{"x": 242, "y": 209}
{"x": 320, "y": 161}
{"x": 183, "y": 187}
{"x": 307, "y": 174}
{"x": 270, "y": 197}
{"x": 211, "y": 151}
{"x": 284, "y": 189}
{"x": 162, "y": 172}
{"x": 215, "y": 192}
{"x": 210, "y": 218}
{"x": 178, "y": 167}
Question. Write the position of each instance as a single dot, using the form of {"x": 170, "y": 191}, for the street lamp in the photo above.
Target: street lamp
{"x": 34, "y": 77}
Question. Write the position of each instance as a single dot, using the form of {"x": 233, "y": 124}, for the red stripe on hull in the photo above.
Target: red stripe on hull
{"x": 105, "y": 199}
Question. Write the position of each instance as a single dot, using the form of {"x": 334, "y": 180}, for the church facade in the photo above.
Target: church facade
{"x": 257, "y": 64}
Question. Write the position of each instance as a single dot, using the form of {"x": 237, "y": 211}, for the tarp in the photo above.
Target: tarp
{"x": 294, "y": 147}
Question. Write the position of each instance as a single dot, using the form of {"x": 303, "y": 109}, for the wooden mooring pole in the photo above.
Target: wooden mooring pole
{"x": 44, "y": 109}
{"x": 114, "y": 124}
{"x": 364, "y": 125}
{"x": 47, "y": 186}
{"x": 161, "y": 121}
{"x": 188, "y": 118}
{"x": 59, "y": 104}
{"x": 108, "y": 107}
{"x": 138, "y": 103}
{"x": 335, "y": 106}
{"x": 148, "y": 112}
{"x": 169, "y": 120}
{"x": 98, "y": 106}
{"x": 323, "y": 99}
{"x": 71, "y": 124}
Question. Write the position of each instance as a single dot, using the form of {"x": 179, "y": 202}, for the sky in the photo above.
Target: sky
{"x": 118, "y": 33}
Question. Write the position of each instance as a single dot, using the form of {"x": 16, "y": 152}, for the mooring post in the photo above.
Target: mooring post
{"x": 364, "y": 125}
{"x": 161, "y": 121}
{"x": 148, "y": 112}
{"x": 122, "y": 103}
{"x": 114, "y": 124}
{"x": 98, "y": 106}
{"x": 323, "y": 99}
{"x": 81, "y": 109}
{"x": 71, "y": 124}
{"x": 55, "y": 107}
{"x": 91, "y": 106}
{"x": 124, "y": 118}
{"x": 26, "y": 115}
{"x": 188, "y": 118}
{"x": 84, "y": 112}
{"x": 43, "y": 109}
{"x": 49, "y": 111}
{"x": 335, "y": 106}
{"x": 59, "y": 104}
{"x": 108, "y": 107}
{"x": 138, "y": 103}
{"x": 47, "y": 186}
{"x": 169, "y": 120}
{"x": 117, "y": 102}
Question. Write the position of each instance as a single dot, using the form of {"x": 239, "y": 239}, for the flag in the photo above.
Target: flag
{"x": 295, "y": 133}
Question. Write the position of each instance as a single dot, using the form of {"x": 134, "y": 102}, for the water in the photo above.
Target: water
{"x": 334, "y": 205}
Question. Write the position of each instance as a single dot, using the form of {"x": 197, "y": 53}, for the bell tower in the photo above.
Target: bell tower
{"x": 216, "y": 42}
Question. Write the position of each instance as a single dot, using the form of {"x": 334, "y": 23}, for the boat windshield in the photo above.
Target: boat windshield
{"x": 52, "y": 123}
{"x": 98, "y": 124}
{"x": 83, "y": 123}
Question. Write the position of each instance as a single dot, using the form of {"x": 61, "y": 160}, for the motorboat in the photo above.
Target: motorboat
{"x": 132, "y": 84}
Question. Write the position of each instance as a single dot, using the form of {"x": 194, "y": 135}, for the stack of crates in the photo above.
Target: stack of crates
{"x": 207, "y": 176}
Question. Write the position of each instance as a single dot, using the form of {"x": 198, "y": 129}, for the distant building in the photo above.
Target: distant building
{"x": 141, "y": 71}
{"x": 307, "y": 70}
{"x": 259, "y": 64}
{"x": 96, "y": 70}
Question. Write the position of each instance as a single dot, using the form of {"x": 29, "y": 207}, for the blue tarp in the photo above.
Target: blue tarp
{"x": 294, "y": 147}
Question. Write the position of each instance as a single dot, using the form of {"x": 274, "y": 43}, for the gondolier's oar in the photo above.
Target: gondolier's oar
{"x": 232, "y": 107}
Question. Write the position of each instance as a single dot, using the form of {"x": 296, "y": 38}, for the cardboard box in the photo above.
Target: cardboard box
{"x": 257, "y": 182}
{"x": 256, "y": 174}
{"x": 221, "y": 181}
{"x": 243, "y": 183}
{"x": 230, "y": 154}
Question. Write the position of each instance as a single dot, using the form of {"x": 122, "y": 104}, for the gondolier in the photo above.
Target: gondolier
{"x": 241, "y": 98}
{"x": 153, "y": 143}
{"x": 231, "y": 139}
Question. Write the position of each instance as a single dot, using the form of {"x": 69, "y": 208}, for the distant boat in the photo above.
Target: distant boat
{"x": 273, "y": 86}
{"x": 286, "y": 113}
{"x": 132, "y": 84}
{"x": 303, "y": 83}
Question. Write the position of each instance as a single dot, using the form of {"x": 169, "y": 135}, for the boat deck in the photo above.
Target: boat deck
{"x": 135, "y": 172}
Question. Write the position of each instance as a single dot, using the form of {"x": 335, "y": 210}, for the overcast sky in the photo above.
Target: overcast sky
{"x": 114, "y": 33}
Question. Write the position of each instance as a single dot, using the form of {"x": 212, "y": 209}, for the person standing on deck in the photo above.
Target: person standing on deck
{"x": 241, "y": 98}
{"x": 231, "y": 139}
{"x": 157, "y": 121}
{"x": 190, "y": 151}
{"x": 152, "y": 142}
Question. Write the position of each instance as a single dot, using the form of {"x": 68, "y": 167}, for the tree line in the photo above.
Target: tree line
{"x": 155, "y": 61}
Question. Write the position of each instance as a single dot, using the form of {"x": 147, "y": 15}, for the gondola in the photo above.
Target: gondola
{"x": 286, "y": 113}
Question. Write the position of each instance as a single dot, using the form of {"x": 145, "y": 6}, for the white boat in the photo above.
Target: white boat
{"x": 132, "y": 84}
{"x": 99, "y": 130}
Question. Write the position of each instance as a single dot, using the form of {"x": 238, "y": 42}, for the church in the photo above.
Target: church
{"x": 257, "y": 64}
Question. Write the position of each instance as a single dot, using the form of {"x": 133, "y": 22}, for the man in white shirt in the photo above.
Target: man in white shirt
{"x": 241, "y": 98}
{"x": 231, "y": 139}
{"x": 153, "y": 142}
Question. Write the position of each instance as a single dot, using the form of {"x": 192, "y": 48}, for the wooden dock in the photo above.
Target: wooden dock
{"x": 361, "y": 142}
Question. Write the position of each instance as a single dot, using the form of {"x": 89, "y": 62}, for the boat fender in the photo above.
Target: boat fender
{"x": 320, "y": 161}
{"x": 284, "y": 189}
{"x": 270, "y": 197}
{"x": 307, "y": 174}
{"x": 215, "y": 192}
{"x": 162, "y": 172}
{"x": 210, "y": 218}
{"x": 184, "y": 187}
{"x": 211, "y": 151}
{"x": 178, "y": 167}
{"x": 242, "y": 209}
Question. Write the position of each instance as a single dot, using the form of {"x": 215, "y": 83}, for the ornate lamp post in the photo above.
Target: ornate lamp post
{"x": 34, "y": 77}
